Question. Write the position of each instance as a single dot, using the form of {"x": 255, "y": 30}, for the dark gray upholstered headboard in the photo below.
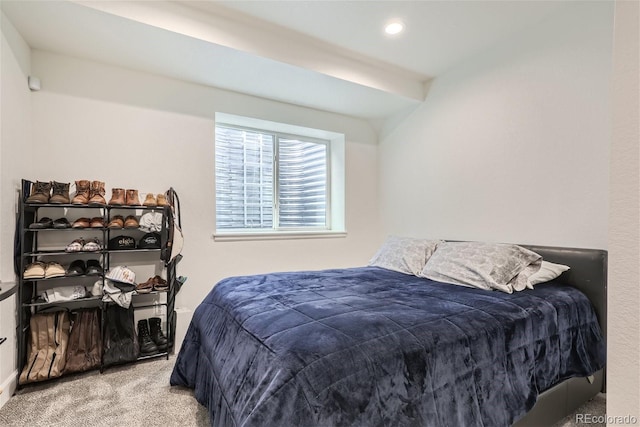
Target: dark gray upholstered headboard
{"x": 588, "y": 273}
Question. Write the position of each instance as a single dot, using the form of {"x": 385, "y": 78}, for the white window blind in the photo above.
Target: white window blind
{"x": 270, "y": 181}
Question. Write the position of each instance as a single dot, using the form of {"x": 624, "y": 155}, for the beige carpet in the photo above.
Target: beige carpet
{"x": 135, "y": 395}
{"x": 128, "y": 395}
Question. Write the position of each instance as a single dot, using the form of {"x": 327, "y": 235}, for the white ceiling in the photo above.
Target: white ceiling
{"x": 328, "y": 55}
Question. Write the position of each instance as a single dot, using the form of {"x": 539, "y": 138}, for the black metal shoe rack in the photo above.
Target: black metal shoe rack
{"x": 28, "y": 251}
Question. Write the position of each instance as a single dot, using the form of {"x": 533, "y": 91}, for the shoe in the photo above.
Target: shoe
{"x": 75, "y": 246}
{"x": 117, "y": 197}
{"x": 60, "y": 193}
{"x": 131, "y": 222}
{"x": 34, "y": 270}
{"x": 116, "y": 222}
{"x": 53, "y": 269}
{"x": 97, "y": 194}
{"x": 94, "y": 268}
{"x": 76, "y": 268}
{"x": 83, "y": 191}
{"x": 145, "y": 287}
{"x": 156, "y": 333}
{"x": 44, "y": 222}
{"x": 97, "y": 222}
{"x": 147, "y": 346}
{"x": 162, "y": 200}
{"x": 81, "y": 223}
{"x": 92, "y": 245}
{"x": 150, "y": 201}
{"x": 61, "y": 223}
{"x": 159, "y": 284}
{"x": 132, "y": 198}
{"x": 40, "y": 192}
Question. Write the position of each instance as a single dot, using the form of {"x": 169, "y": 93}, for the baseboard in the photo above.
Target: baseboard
{"x": 8, "y": 387}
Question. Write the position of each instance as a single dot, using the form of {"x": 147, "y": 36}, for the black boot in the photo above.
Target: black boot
{"x": 147, "y": 346}
{"x": 156, "y": 333}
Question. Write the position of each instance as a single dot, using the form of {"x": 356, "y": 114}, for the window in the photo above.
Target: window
{"x": 268, "y": 181}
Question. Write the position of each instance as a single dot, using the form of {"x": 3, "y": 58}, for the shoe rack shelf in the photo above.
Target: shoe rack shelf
{"x": 28, "y": 250}
{"x": 82, "y": 302}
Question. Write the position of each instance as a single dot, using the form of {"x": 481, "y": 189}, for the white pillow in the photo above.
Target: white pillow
{"x": 548, "y": 271}
{"x": 404, "y": 254}
{"x": 503, "y": 267}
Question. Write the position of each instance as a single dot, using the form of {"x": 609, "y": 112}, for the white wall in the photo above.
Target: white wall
{"x": 15, "y": 144}
{"x": 136, "y": 130}
{"x": 623, "y": 371}
{"x": 511, "y": 145}
{"x": 15, "y": 137}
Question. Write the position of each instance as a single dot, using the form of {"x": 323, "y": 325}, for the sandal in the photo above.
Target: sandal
{"x": 34, "y": 271}
{"x": 75, "y": 246}
{"x": 92, "y": 245}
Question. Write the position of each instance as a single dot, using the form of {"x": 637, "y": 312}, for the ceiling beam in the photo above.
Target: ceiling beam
{"x": 213, "y": 23}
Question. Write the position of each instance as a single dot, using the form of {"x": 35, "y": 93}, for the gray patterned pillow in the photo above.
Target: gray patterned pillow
{"x": 404, "y": 254}
{"x": 503, "y": 267}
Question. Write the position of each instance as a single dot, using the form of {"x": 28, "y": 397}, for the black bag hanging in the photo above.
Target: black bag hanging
{"x": 120, "y": 339}
{"x": 172, "y": 228}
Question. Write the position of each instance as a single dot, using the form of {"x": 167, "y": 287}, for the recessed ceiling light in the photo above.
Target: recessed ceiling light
{"x": 394, "y": 27}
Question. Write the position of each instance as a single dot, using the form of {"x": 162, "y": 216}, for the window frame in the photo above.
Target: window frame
{"x": 277, "y": 231}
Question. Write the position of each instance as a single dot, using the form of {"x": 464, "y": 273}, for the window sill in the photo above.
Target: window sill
{"x": 278, "y": 235}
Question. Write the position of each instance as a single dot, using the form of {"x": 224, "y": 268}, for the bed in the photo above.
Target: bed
{"x": 373, "y": 347}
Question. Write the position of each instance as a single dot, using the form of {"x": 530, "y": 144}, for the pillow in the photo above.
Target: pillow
{"x": 504, "y": 267}
{"x": 548, "y": 271}
{"x": 404, "y": 254}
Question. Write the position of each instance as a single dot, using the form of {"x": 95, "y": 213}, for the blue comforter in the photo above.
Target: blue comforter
{"x": 372, "y": 347}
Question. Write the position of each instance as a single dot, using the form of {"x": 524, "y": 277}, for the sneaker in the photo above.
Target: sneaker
{"x": 92, "y": 245}
{"x": 75, "y": 246}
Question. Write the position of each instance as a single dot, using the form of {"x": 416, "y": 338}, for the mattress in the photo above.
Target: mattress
{"x": 373, "y": 347}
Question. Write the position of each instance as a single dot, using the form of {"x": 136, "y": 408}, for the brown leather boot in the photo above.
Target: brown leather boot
{"x": 83, "y": 189}
{"x": 150, "y": 200}
{"x": 60, "y": 193}
{"x": 162, "y": 200}
{"x": 40, "y": 192}
{"x": 117, "y": 196}
{"x": 132, "y": 198}
{"x": 97, "y": 194}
